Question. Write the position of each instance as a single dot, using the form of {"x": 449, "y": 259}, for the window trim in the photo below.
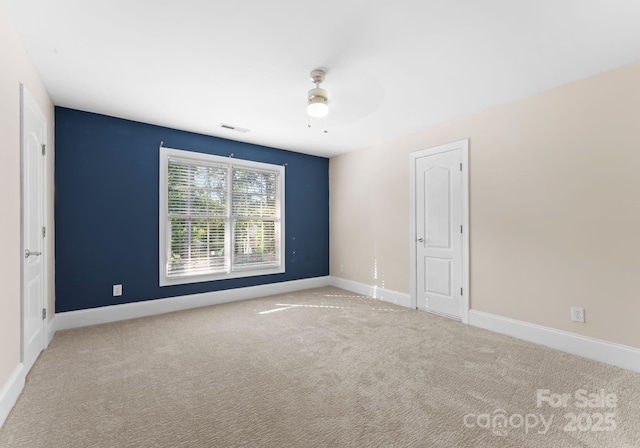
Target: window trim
{"x": 164, "y": 238}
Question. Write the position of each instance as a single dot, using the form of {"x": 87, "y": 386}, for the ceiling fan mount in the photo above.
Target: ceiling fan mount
{"x": 317, "y": 76}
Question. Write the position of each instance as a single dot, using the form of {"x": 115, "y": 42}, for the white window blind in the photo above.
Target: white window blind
{"x": 255, "y": 218}
{"x": 197, "y": 215}
{"x": 220, "y": 217}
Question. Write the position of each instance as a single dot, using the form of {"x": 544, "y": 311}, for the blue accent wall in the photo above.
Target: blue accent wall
{"x": 106, "y": 209}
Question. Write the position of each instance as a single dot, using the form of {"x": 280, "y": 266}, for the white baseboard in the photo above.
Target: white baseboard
{"x": 596, "y": 349}
{"x": 113, "y": 313}
{"x": 387, "y": 295}
{"x": 11, "y": 391}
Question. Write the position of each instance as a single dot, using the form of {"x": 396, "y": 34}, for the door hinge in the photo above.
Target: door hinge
{"x": 44, "y": 149}
{"x": 44, "y": 232}
{"x": 461, "y": 293}
{"x": 44, "y": 313}
{"x": 461, "y": 231}
{"x": 461, "y": 167}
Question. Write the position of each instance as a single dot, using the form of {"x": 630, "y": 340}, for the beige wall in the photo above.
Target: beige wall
{"x": 555, "y": 207}
{"x": 16, "y": 69}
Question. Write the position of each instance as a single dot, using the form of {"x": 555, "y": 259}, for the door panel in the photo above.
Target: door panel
{"x": 438, "y": 230}
{"x": 32, "y": 313}
{"x": 438, "y": 274}
{"x": 437, "y": 186}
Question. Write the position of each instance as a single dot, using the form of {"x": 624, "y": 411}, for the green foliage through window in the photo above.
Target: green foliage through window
{"x": 214, "y": 230}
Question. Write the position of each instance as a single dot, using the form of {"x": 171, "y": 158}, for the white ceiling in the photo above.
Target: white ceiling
{"x": 392, "y": 66}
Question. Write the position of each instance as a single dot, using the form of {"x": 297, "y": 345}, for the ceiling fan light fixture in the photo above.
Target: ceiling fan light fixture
{"x": 318, "y": 103}
{"x": 317, "y": 98}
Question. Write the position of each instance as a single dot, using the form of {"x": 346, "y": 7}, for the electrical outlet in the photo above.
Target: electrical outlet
{"x": 341, "y": 268}
{"x": 577, "y": 314}
{"x": 117, "y": 290}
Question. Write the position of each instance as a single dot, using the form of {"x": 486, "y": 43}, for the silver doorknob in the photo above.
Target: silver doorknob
{"x": 420, "y": 240}
{"x": 28, "y": 253}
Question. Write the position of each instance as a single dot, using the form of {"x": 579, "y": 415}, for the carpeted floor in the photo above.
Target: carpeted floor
{"x": 317, "y": 368}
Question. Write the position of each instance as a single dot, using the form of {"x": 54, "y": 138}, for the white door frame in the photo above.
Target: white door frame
{"x": 463, "y": 146}
{"x": 25, "y": 97}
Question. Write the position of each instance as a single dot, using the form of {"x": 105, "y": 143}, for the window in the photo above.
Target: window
{"x": 219, "y": 217}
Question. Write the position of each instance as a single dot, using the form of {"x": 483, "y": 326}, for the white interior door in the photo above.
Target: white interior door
{"x": 439, "y": 232}
{"x": 33, "y": 289}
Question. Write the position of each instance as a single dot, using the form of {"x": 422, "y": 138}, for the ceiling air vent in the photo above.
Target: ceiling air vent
{"x": 234, "y": 128}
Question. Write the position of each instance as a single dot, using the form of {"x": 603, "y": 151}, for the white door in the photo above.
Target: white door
{"x": 439, "y": 232}
{"x": 33, "y": 138}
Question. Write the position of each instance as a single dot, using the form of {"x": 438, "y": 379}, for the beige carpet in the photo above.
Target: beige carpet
{"x": 318, "y": 368}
